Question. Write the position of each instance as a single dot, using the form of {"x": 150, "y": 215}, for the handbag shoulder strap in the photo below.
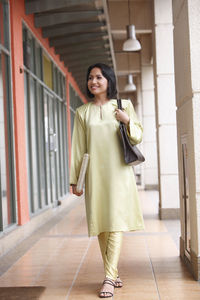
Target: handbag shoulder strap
{"x": 119, "y": 103}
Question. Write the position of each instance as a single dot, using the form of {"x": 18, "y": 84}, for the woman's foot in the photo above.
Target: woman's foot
{"x": 118, "y": 282}
{"x": 107, "y": 289}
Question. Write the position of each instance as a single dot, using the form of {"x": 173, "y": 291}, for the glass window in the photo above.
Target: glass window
{"x": 41, "y": 147}
{"x": 32, "y": 142}
{"x": 7, "y": 175}
{"x": 29, "y": 50}
{"x": 5, "y": 197}
{"x": 46, "y": 123}
{"x": 47, "y": 147}
{"x": 65, "y": 150}
{"x": 24, "y": 46}
{"x": 61, "y": 149}
{"x": 38, "y": 60}
{"x": 75, "y": 102}
{"x": 47, "y": 71}
{"x": 55, "y": 79}
{"x": 28, "y": 153}
{"x": 4, "y": 24}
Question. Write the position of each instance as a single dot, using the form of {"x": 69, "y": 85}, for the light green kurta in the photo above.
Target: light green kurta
{"x": 111, "y": 196}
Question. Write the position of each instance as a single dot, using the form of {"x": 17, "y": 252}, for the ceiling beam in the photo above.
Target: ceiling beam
{"x": 126, "y": 72}
{"x": 45, "y": 20}
{"x": 87, "y": 62}
{"x": 93, "y": 44}
{"x": 70, "y": 28}
{"x": 80, "y": 77}
{"x": 75, "y": 56}
{"x": 80, "y": 73}
{"x": 81, "y": 70}
{"x": 76, "y": 39}
{"x": 80, "y": 60}
{"x": 121, "y": 34}
{"x": 38, "y": 6}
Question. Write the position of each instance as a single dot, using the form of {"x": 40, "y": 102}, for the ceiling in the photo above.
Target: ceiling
{"x": 140, "y": 14}
{"x": 84, "y": 32}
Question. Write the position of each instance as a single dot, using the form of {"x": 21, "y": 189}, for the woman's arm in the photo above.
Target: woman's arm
{"x": 129, "y": 118}
{"x": 77, "y": 151}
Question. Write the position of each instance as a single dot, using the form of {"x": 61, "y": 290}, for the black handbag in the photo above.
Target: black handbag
{"x": 132, "y": 154}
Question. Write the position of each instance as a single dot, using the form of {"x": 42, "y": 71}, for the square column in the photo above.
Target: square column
{"x": 187, "y": 73}
{"x": 165, "y": 110}
{"x": 150, "y": 172}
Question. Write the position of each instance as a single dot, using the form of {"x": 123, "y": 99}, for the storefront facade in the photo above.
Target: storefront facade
{"x": 38, "y": 98}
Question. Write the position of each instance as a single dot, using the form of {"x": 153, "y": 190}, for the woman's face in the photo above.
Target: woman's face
{"x": 97, "y": 83}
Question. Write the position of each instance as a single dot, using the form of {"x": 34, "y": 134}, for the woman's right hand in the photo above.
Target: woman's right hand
{"x": 74, "y": 191}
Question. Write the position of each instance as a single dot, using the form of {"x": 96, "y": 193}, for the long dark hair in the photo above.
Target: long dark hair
{"x": 109, "y": 74}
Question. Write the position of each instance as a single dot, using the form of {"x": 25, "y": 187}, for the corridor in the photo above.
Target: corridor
{"x": 60, "y": 262}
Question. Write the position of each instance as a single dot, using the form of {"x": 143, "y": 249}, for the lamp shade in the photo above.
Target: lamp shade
{"x": 131, "y": 44}
{"x": 130, "y": 87}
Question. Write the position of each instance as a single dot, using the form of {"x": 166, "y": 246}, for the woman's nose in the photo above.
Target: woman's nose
{"x": 93, "y": 80}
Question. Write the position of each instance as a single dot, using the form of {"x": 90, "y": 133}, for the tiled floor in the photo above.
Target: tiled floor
{"x": 65, "y": 262}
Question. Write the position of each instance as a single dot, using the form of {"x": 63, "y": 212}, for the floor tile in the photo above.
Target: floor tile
{"x": 68, "y": 265}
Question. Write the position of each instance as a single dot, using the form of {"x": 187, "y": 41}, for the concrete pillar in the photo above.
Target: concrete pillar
{"x": 139, "y": 169}
{"x": 165, "y": 110}
{"x": 187, "y": 73}
{"x": 150, "y": 171}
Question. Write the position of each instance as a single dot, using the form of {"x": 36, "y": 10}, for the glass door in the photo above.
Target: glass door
{"x": 50, "y": 147}
{"x": 7, "y": 171}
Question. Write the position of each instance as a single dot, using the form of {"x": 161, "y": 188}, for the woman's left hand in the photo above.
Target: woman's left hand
{"x": 122, "y": 116}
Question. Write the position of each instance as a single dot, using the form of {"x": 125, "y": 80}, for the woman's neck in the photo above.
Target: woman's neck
{"x": 100, "y": 99}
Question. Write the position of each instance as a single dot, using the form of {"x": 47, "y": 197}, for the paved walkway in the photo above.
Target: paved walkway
{"x": 61, "y": 262}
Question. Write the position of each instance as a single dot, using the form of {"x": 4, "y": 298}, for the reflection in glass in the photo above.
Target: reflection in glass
{"x": 46, "y": 126}
{"x": 65, "y": 152}
{"x": 38, "y": 60}
{"x": 7, "y": 208}
{"x": 41, "y": 141}
{"x": 33, "y": 132}
{"x": 4, "y": 29}
{"x": 52, "y": 147}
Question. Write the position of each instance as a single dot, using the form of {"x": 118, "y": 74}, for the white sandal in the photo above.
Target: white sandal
{"x": 103, "y": 293}
{"x": 118, "y": 283}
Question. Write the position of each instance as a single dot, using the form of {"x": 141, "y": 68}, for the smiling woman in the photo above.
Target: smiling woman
{"x": 97, "y": 83}
{"x": 100, "y": 75}
{"x": 111, "y": 199}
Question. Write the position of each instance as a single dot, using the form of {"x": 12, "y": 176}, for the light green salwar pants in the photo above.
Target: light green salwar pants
{"x": 110, "y": 245}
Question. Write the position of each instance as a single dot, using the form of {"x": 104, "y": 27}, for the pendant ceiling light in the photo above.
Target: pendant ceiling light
{"x": 131, "y": 44}
{"x": 130, "y": 87}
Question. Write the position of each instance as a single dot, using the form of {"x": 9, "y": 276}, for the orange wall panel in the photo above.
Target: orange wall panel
{"x": 16, "y": 9}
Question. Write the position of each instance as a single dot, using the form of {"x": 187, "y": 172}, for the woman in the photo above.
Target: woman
{"x": 111, "y": 198}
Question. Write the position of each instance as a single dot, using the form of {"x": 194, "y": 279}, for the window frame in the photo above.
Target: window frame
{"x": 10, "y": 132}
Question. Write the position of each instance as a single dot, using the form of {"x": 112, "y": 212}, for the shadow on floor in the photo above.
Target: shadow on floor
{"x": 21, "y": 293}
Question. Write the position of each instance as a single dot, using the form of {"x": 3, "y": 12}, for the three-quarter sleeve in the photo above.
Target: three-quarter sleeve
{"x": 78, "y": 148}
{"x": 134, "y": 128}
